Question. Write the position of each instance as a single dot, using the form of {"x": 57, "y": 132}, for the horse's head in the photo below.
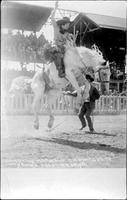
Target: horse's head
{"x": 84, "y": 58}
{"x": 102, "y": 75}
{"x": 102, "y": 72}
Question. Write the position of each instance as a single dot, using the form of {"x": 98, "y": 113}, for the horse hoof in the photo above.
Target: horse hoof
{"x": 36, "y": 126}
{"x": 49, "y": 129}
{"x": 50, "y": 123}
{"x": 76, "y": 110}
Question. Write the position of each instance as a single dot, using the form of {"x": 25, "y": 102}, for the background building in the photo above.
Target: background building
{"x": 108, "y": 33}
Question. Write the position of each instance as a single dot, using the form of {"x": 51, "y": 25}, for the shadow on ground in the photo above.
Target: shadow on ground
{"x": 100, "y": 133}
{"x": 88, "y": 132}
{"x": 83, "y": 145}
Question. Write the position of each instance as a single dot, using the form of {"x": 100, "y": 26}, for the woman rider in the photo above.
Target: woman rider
{"x": 61, "y": 36}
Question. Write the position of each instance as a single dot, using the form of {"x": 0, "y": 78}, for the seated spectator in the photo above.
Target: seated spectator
{"x": 115, "y": 93}
{"x": 23, "y": 48}
{"x": 119, "y": 74}
{"x": 41, "y": 40}
{"x": 124, "y": 93}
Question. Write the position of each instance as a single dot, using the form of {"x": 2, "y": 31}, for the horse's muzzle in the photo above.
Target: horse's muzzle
{"x": 104, "y": 63}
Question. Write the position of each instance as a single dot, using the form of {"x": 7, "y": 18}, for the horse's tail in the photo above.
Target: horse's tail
{"x": 20, "y": 84}
{"x": 29, "y": 81}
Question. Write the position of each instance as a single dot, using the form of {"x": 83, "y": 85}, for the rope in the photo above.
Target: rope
{"x": 58, "y": 125}
{"x": 92, "y": 117}
{"x": 39, "y": 67}
{"x": 65, "y": 103}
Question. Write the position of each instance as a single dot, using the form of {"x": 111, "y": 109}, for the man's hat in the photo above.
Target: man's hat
{"x": 63, "y": 21}
{"x": 90, "y": 77}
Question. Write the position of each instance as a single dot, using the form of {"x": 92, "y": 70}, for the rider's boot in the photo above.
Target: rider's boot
{"x": 61, "y": 72}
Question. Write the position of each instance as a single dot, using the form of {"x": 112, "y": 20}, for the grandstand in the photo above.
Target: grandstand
{"x": 27, "y": 49}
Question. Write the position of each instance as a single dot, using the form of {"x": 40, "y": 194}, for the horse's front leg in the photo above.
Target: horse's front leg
{"x": 36, "y": 108}
{"x": 73, "y": 81}
{"x": 51, "y": 98}
{"x": 107, "y": 88}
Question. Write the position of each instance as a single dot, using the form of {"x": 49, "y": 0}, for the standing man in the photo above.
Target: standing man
{"x": 89, "y": 105}
{"x": 88, "y": 100}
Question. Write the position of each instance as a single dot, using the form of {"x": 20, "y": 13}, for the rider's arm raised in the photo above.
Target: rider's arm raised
{"x": 53, "y": 15}
{"x": 55, "y": 26}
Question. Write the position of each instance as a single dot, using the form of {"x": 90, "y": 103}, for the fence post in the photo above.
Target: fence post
{"x": 102, "y": 108}
{"x": 22, "y": 103}
{"x": 118, "y": 104}
{"x": 99, "y": 104}
{"x": 113, "y": 99}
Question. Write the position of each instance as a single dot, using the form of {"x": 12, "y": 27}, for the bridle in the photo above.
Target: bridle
{"x": 99, "y": 70}
{"x": 99, "y": 73}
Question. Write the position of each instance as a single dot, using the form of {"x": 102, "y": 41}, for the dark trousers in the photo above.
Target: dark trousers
{"x": 86, "y": 110}
{"x": 60, "y": 65}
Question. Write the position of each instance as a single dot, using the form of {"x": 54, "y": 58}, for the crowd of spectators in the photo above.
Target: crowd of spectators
{"x": 117, "y": 93}
{"x": 116, "y": 72}
{"x": 29, "y": 49}
{"x": 23, "y": 48}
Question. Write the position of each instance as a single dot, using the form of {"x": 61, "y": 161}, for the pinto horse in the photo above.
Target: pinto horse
{"x": 76, "y": 60}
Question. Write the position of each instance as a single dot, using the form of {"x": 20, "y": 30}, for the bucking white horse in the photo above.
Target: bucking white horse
{"x": 76, "y": 60}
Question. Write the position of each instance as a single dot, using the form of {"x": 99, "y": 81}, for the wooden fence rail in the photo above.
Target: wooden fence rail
{"x": 22, "y": 104}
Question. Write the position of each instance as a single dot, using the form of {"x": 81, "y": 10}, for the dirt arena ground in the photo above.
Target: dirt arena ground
{"x": 65, "y": 146}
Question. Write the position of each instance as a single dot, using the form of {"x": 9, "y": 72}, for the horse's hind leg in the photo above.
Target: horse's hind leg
{"x": 38, "y": 94}
{"x": 51, "y": 97}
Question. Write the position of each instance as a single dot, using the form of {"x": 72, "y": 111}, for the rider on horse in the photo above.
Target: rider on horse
{"x": 61, "y": 36}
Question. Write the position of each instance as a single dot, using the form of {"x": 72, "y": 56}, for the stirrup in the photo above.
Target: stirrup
{"x": 62, "y": 75}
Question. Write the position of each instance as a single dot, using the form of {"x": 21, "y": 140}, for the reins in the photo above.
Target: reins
{"x": 101, "y": 81}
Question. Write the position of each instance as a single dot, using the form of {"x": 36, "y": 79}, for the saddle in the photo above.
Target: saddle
{"x": 56, "y": 54}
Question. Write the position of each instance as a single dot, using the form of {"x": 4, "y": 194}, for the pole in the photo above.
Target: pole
{"x": 74, "y": 30}
{"x": 80, "y": 34}
{"x": 34, "y": 67}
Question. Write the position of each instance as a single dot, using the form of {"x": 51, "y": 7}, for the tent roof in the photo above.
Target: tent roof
{"x": 23, "y": 16}
{"x": 32, "y": 18}
{"x": 95, "y": 21}
{"x": 108, "y": 21}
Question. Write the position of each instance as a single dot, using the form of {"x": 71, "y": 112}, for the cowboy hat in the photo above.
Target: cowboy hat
{"x": 64, "y": 20}
{"x": 90, "y": 77}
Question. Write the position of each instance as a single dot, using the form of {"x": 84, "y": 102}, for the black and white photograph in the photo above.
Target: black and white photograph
{"x": 63, "y": 99}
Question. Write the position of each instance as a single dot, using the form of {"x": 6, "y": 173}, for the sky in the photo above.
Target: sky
{"x": 111, "y": 8}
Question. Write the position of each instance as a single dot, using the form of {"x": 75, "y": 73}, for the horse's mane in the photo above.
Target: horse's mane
{"x": 90, "y": 54}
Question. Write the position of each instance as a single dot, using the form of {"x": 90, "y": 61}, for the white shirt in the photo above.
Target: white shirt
{"x": 85, "y": 92}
